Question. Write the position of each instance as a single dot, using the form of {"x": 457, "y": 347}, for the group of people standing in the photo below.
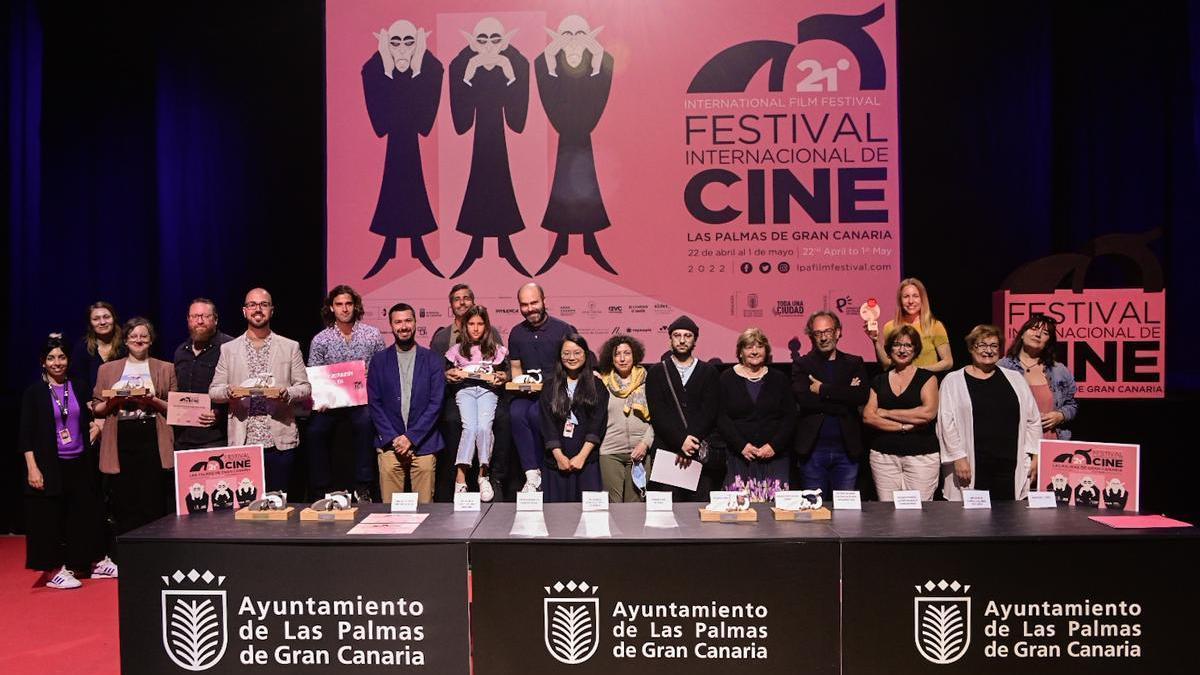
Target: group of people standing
{"x": 440, "y": 418}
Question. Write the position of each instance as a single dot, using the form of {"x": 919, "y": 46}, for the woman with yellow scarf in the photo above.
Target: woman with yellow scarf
{"x": 624, "y": 463}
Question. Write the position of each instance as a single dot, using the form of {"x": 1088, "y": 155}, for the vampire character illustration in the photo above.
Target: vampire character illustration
{"x": 574, "y": 76}
{"x": 489, "y": 89}
{"x": 246, "y": 493}
{"x": 222, "y": 497}
{"x": 402, "y": 83}
{"x": 1115, "y": 495}
{"x": 1086, "y": 493}
{"x": 196, "y": 499}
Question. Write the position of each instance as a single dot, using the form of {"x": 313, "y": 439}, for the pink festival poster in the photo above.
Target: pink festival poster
{"x": 1091, "y": 475}
{"x": 218, "y": 479}
{"x": 338, "y": 385}
{"x": 737, "y": 162}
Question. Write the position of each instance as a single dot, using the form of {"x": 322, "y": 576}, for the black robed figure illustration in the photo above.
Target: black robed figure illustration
{"x": 489, "y": 89}
{"x": 402, "y": 85}
{"x": 574, "y": 77}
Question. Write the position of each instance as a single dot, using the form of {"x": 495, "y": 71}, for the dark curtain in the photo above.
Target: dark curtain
{"x": 158, "y": 152}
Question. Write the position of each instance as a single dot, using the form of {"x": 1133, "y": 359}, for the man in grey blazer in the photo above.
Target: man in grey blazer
{"x": 262, "y": 357}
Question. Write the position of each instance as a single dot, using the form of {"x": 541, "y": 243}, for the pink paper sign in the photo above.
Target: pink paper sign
{"x": 1113, "y": 340}
{"x": 1097, "y": 475}
{"x": 1138, "y": 522}
{"x": 218, "y": 479}
{"x": 338, "y": 385}
{"x": 739, "y": 164}
{"x": 185, "y": 408}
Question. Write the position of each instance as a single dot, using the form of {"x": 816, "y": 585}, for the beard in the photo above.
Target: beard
{"x": 202, "y": 334}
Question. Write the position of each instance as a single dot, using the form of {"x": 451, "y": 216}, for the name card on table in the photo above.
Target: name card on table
{"x": 529, "y": 501}
{"x": 658, "y": 501}
{"x": 850, "y": 500}
{"x": 466, "y": 501}
{"x": 718, "y": 500}
{"x": 977, "y": 499}
{"x": 1042, "y": 500}
{"x": 788, "y": 500}
{"x": 595, "y": 501}
{"x": 403, "y": 502}
{"x": 907, "y": 499}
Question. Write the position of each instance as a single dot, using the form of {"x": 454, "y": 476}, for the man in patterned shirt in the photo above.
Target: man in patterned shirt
{"x": 261, "y": 357}
{"x": 345, "y": 338}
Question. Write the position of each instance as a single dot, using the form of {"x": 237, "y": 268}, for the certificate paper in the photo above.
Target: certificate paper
{"x": 666, "y": 471}
{"x": 184, "y": 408}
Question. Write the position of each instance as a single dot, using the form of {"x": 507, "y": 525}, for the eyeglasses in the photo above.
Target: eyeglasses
{"x": 572, "y": 354}
{"x": 261, "y": 305}
{"x": 200, "y": 317}
{"x": 828, "y": 332}
{"x": 902, "y": 346}
{"x": 987, "y": 348}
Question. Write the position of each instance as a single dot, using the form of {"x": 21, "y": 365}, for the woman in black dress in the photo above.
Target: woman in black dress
{"x": 574, "y": 407}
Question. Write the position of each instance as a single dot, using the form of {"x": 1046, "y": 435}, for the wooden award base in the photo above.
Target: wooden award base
{"x": 749, "y": 516}
{"x": 247, "y": 514}
{"x": 124, "y": 393}
{"x": 807, "y": 515}
{"x": 266, "y": 392}
{"x": 527, "y": 388}
{"x": 345, "y": 514}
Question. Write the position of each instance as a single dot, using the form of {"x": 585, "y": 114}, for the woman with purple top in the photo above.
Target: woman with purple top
{"x": 64, "y": 512}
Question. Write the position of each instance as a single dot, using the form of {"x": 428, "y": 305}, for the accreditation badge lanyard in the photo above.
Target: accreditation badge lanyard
{"x": 64, "y": 411}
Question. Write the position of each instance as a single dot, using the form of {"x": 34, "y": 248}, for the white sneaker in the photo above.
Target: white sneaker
{"x": 533, "y": 481}
{"x": 486, "y": 493}
{"x": 105, "y": 569}
{"x": 460, "y": 487}
{"x": 64, "y": 579}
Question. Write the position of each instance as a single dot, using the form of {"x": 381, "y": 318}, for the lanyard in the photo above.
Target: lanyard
{"x": 63, "y": 405}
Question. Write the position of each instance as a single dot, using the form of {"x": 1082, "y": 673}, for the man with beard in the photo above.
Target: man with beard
{"x": 462, "y": 298}
{"x": 534, "y": 342}
{"x": 405, "y": 385}
{"x": 830, "y": 387}
{"x": 264, "y": 358}
{"x": 195, "y": 363}
{"x": 682, "y": 395}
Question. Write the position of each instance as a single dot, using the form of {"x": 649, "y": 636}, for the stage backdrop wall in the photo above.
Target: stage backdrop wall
{"x": 738, "y": 166}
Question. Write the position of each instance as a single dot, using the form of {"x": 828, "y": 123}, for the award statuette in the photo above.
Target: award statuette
{"x": 728, "y": 507}
{"x": 870, "y": 313}
{"x": 524, "y": 380}
{"x": 335, "y": 506}
{"x": 800, "y": 505}
{"x": 273, "y": 506}
{"x": 262, "y": 385}
{"x": 126, "y": 387}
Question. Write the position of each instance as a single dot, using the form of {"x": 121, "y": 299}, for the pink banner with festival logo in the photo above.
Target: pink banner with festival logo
{"x": 1112, "y": 340}
{"x": 218, "y": 479}
{"x": 738, "y": 163}
{"x": 1097, "y": 475}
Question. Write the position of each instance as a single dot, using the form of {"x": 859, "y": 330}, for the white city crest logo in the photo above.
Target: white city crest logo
{"x": 571, "y": 621}
{"x": 942, "y": 622}
{"x": 194, "y": 620}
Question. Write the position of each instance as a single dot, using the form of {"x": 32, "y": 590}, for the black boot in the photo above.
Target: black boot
{"x": 385, "y": 254}
{"x": 558, "y": 251}
{"x": 507, "y": 252}
{"x": 421, "y": 255}
{"x": 474, "y": 252}
{"x": 592, "y": 248}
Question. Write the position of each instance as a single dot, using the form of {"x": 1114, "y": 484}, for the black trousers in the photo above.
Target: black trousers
{"x": 995, "y": 476}
{"x": 136, "y": 494}
{"x": 67, "y": 529}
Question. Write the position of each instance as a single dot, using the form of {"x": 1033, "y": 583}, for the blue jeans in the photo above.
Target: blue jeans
{"x": 527, "y": 432}
{"x": 477, "y": 408}
{"x": 828, "y": 469}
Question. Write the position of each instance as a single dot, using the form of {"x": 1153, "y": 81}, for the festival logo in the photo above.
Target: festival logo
{"x": 571, "y": 618}
{"x": 194, "y": 620}
{"x": 942, "y": 622}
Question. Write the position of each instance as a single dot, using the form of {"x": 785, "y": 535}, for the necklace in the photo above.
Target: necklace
{"x": 1029, "y": 367}
{"x": 753, "y": 378}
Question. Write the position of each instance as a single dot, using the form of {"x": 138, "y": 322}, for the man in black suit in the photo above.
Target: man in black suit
{"x": 683, "y": 377}
{"x": 831, "y": 388}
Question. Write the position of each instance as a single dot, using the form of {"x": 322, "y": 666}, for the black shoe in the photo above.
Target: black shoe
{"x": 362, "y": 495}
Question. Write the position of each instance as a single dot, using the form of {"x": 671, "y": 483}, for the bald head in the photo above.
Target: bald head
{"x": 258, "y": 308}
{"x": 531, "y": 299}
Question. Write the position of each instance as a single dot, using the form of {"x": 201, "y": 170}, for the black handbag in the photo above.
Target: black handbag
{"x": 706, "y": 453}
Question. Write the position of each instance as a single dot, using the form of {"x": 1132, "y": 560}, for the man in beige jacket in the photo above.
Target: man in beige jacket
{"x": 262, "y": 358}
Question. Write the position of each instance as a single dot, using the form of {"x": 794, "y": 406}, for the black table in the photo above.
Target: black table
{"x": 610, "y": 592}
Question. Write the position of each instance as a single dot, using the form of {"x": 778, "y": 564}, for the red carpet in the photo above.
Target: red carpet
{"x": 48, "y": 632}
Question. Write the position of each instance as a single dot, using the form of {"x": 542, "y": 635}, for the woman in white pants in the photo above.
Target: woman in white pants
{"x": 901, "y": 407}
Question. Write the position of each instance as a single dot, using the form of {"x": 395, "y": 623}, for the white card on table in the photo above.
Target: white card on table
{"x": 718, "y": 500}
{"x": 668, "y": 472}
{"x": 977, "y": 499}
{"x": 466, "y": 501}
{"x": 788, "y": 500}
{"x": 595, "y": 501}
{"x": 907, "y": 499}
{"x": 529, "y": 501}
{"x": 404, "y": 501}
{"x": 658, "y": 501}
{"x": 850, "y": 500}
{"x": 1042, "y": 500}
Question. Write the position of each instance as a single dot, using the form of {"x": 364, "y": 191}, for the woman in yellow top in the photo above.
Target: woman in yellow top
{"x": 912, "y": 308}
